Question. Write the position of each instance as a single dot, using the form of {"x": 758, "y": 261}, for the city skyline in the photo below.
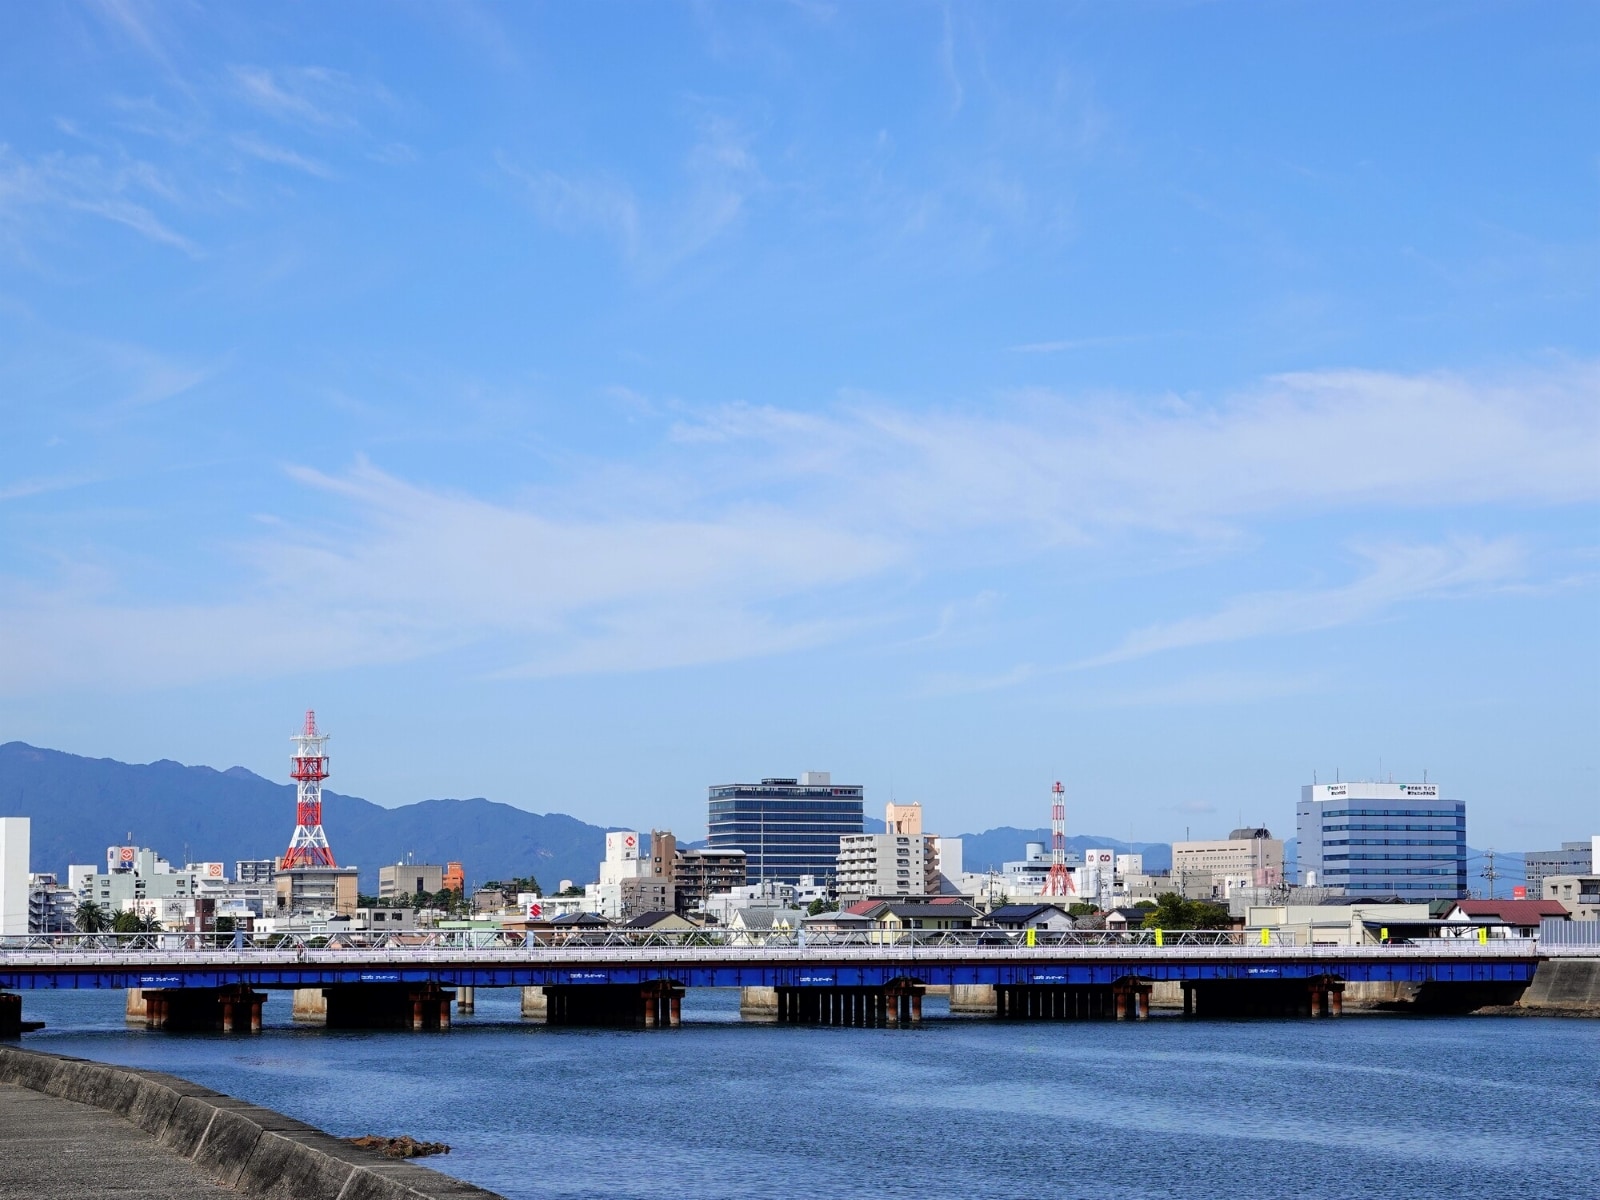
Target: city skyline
{"x": 1181, "y": 405}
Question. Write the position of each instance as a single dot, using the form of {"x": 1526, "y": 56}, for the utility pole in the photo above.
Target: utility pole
{"x": 1488, "y": 871}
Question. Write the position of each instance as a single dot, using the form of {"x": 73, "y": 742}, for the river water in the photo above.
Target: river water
{"x": 1361, "y": 1106}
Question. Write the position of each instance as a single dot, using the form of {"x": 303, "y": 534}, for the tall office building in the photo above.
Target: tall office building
{"x": 1383, "y": 839}
{"x": 786, "y": 827}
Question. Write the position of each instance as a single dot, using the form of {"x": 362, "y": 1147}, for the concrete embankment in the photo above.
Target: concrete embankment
{"x": 1564, "y": 985}
{"x": 251, "y": 1150}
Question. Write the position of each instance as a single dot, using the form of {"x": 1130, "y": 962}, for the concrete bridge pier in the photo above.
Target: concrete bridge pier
{"x": 972, "y": 998}
{"x": 234, "y": 1009}
{"x": 535, "y": 1007}
{"x": 415, "y": 1006}
{"x": 310, "y": 1007}
{"x": 466, "y": 1000}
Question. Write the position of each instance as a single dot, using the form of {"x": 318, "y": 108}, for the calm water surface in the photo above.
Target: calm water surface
{"x": 1357, "y": 1107}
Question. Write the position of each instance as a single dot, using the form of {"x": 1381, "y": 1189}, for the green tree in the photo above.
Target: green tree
{"x": 819, "y": 905}
{"x": 224, "y": 925}
{"x": 574, "y": 890}
{"x": 128, "y": 921}
{"x": 90, "y": 917}
{"x": 1172, "y": 911}
{"x": 365, "y": 901}
{"x": 1081, "y": 908}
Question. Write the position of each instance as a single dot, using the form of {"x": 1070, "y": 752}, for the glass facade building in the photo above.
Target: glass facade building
{"x": 786, "y": 827}
{"x": 1382, "y": 839}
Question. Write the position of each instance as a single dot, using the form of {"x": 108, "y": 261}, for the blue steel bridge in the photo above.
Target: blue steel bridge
{"x": 874, "y": 978}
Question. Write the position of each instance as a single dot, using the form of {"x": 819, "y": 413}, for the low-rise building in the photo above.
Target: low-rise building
{"x": 409, "y": 879}
{"x": 254, "y": 870}
{"x": 698, "y": 874}
{"x": 1248, "y": 857}
{"x": 132, "y": 874}
{"x": 52, "y": 908}
{"x": 881, "y": 864}
{"x": 1574, "y": 858}
{"x": 1578, "y": 894}
{"x": 1027, "y": 916}
{"x": 1345, "y": 922}
{"x": 316, "y": 889}
{"x": 1501, "y": 918}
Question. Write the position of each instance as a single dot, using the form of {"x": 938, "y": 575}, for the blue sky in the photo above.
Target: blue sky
{"x": 580, "y": 405}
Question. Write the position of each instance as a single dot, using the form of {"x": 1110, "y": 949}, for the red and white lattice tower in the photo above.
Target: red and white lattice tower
{"x": 309, "y": 845}
{"x": 1059, "y": 881}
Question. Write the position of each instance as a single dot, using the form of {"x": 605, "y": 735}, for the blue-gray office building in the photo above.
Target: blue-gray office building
{"x": 786, "y": 827}
{"x": 1383, "y": 839}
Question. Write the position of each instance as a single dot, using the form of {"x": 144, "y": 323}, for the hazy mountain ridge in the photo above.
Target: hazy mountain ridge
{"x": 79, "y": 806}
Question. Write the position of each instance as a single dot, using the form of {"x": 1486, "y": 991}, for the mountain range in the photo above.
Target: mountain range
{"x": 79, "y": 806}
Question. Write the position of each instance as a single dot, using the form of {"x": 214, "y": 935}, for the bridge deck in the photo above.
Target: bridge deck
{"x": 762, "y": 966}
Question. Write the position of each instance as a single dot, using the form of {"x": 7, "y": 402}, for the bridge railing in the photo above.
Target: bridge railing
{"x": 439, "y": 945}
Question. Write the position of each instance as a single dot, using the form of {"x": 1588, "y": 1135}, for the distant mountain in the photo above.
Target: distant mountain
{"x": 79, "y": 806}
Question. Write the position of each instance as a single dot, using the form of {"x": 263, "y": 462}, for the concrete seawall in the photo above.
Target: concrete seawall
{"x": 1565, "y": 985}
{"x": 254, "y": 1151}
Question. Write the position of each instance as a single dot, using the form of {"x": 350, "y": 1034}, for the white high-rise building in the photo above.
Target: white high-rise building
{"x": 14, "y": 835}
{"x": 1383, "y": 839}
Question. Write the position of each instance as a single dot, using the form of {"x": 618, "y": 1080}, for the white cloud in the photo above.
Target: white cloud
{"x": 120, "y": 191}
{"x": 758, "y": 530}
{"x": 280, "y": 156}
{"x": 1396, "y": 575}
{"x": 318, "y": 98}
{"x": 721, "y": 174}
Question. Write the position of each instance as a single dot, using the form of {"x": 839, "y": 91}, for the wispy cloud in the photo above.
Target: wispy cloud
{"x": 761, "y": 530}
{"x": 281, "y": 156}
{"x": 720, "y": 175}
{"x": 312, "y": 97}
{"x": 120, "y": 191}
{"x": 1395, "y": 575}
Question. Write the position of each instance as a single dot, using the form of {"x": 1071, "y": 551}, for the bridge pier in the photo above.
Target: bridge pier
{"x": 535, "y": 1006}
{"x": 1318, "y": 996}
{"x": 896, "y": 1003}
{"x": 234, "y": 1009}
{"x": 310, "y": 1007}
{"x": 972, "y": 998}
{"x": 415, "y": 1006}
{"x": 466, "y": 1000}
{"x": 654, "y": 1005}
{"x": 12, "y": 1026}
{"x": 1127, "y": 999}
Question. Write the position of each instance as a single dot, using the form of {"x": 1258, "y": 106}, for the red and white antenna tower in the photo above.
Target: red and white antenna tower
{"x": 309, "y": 845}
{"x": 1059, "y": 881}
